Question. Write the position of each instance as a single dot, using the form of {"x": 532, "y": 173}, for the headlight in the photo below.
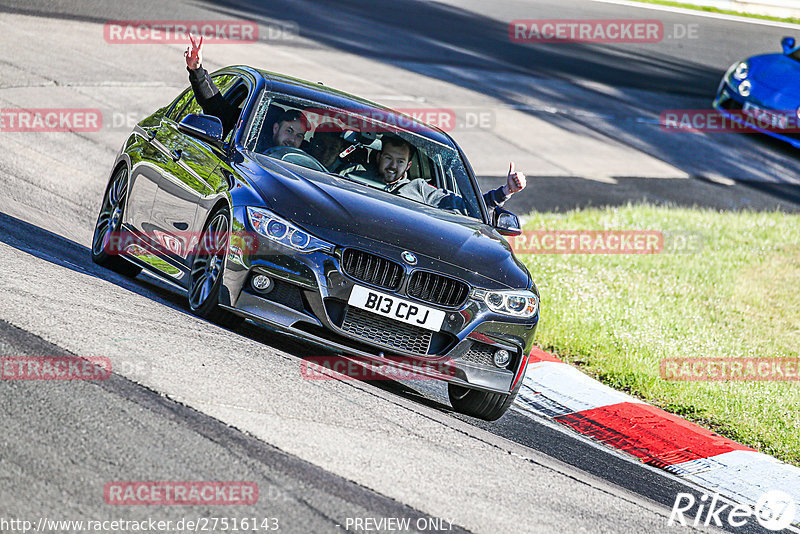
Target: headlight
{"x": 282, "y": 231}
{"x": 741, "y": 71}
{"x": 514, "y": 303}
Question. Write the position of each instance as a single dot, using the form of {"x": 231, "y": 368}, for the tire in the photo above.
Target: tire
{"x": 109, "y": 222}
{"x": 206, "y": 273}
{"x": 481, "y": 404}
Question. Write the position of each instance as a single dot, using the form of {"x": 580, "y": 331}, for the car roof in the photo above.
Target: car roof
{"x": 289, "y": 85}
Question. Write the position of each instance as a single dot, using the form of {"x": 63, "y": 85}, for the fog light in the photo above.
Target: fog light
{"x": 261, "y": 282}
{"x": 502, "y": 357}
{"x": 744, "y": 88}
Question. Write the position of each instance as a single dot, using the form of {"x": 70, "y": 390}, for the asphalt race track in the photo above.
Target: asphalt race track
{"x": 190, "y": 401}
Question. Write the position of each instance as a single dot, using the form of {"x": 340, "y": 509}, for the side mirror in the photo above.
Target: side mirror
{"x": 205, "y": 127}
{"x": 506, "y": 222}
{"x": 788, "y": 44}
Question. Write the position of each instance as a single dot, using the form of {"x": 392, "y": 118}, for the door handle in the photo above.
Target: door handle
{"x": 176, "y": 154}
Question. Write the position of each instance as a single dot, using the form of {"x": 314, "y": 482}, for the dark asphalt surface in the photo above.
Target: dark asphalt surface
{"x": 62, "y": 441}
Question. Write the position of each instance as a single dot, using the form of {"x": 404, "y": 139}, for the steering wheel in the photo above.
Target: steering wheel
{"x": 294, "y": 155}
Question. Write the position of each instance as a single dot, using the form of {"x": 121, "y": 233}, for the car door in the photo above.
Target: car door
{"x": 146, "y": 161}
{"x": 186, "y": 180}
{"x": 238, "y": 94}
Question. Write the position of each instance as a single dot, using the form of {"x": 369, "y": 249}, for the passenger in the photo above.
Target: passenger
{"x": 289, "y": 129}
{"x": 393, "y": 162}
{"x": 327, "y": 144}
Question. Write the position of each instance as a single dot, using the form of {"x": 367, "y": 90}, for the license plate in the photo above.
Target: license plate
{"x": 776, "y": 120}
{"x": 396, "y": 308}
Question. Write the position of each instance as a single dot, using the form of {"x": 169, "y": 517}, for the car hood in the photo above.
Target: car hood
{"x": 350, "y": 214}
{"x": 775, "y": 71}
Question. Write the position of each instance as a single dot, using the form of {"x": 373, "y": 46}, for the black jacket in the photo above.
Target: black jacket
{"x": 210, "y": 99}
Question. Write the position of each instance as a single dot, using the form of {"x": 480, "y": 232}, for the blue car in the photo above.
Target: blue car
{"x": 763, "y": 93}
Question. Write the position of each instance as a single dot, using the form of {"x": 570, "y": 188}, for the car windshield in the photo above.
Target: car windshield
{"x": 370, "y": 148}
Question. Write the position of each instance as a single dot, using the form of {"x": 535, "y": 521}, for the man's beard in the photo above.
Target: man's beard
{"x": 391, "y": 177}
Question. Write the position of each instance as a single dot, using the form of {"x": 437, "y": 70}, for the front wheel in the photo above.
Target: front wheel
{"x": 481, "y": 404}
{"x": 206, "y": 272}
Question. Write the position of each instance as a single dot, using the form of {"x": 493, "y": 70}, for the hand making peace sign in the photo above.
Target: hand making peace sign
{"x": 194, "y": 53}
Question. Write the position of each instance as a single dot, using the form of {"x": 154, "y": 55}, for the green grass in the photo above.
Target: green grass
{"x": 792, "y": 20}
{"x": 738, "y": 295}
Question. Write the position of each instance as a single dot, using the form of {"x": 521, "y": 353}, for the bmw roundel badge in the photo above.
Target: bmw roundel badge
{"x": 409, "y": 258}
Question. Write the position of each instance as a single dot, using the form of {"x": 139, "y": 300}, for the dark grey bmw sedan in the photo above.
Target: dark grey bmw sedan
{"x": 325, "y": 251}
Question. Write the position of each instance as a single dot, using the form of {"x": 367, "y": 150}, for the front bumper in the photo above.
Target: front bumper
{"x": 309, "y": 297}
{"x": 730, "y": 104}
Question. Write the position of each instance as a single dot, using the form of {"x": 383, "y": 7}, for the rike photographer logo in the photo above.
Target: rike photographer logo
{"x": 774, "y": 510}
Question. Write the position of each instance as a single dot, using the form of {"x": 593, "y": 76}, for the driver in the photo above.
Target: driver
{"x": 394, "y": 160}
{"x": 290, "y": 128}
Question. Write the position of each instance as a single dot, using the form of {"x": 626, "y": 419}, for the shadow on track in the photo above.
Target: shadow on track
{"x": 466, "y": 48}
{"x": 429, "y": 32}
{"x": 63, "y": 252}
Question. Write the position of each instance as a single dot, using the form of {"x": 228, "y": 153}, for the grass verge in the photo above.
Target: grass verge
{"x": 790, "y": 20}
{"x": 734, "y": 292}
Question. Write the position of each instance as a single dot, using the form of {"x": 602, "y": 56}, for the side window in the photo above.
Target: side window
{"x": 186, "y": 103}
{"x": 191, "y": 107}
{"x": 180, "y": 103}
{"x": 237, "y": 96}
{"x": 224, "y": 82}
{"x": 422, "y": 167}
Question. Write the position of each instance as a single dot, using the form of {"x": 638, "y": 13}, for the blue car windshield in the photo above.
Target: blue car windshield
{"x": 351, "y": 144}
